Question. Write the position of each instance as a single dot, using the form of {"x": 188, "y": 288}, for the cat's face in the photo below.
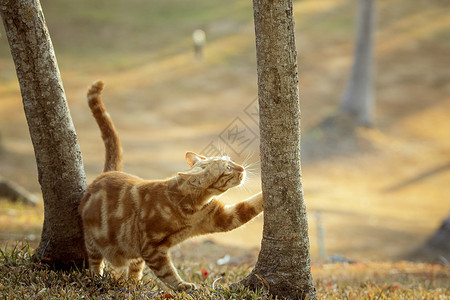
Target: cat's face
{"x": 214, "y": 174}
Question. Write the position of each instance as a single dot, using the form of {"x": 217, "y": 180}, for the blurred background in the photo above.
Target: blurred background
{"x": 372, "y": 193}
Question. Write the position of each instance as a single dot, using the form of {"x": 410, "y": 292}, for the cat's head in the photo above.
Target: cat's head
{"x": 215, "y": 175}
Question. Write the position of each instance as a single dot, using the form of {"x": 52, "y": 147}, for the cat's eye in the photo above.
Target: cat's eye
{"x": 228, "y": 167}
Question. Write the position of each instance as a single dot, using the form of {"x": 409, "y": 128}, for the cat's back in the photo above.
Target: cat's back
{"x": 109, "y": 187}
{"x": 114, "y": 189}
{"x": 112, "y": 183}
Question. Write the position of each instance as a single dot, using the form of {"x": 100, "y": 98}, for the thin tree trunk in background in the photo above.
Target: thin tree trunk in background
{"x": 358, "y": 101}
{"x": 437, "y": 248}
{"x": 58, "y": 156}
{"x": 283, "y": 265}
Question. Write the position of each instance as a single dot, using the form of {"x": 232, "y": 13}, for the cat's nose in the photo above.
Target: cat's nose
{"x": 239, "y": 169}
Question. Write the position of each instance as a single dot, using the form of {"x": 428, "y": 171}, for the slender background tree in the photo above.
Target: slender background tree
{"x": 283, "y": 265}
{"x": 358, "y": 101}
{"x": 437, "y": 248}
{"x": 60, "y": 167}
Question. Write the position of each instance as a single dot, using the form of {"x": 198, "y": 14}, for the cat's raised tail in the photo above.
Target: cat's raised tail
{"x": 113, "y": 147}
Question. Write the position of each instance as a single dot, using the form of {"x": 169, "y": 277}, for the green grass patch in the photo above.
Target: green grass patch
{"x": 110, "y": 33}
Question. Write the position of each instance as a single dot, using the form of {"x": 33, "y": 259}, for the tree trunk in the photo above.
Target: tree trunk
{"x": 1, "y": 144}
{"x": 283, "y": 265}
{"x": 358, "y": 99}
{"x": 58, "y": 156}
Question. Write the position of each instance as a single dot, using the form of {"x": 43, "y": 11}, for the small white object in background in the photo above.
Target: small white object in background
{"x": 199, "y": 38}
{"x": 224, "y": 260}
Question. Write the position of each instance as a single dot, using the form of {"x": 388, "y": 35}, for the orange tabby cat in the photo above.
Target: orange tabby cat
{"x": 131, "y": 222}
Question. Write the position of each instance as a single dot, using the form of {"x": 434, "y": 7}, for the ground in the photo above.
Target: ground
{"x": 380, "y": 193}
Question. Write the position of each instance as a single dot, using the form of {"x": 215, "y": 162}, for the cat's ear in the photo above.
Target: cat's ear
{"x": 192, "y": 158}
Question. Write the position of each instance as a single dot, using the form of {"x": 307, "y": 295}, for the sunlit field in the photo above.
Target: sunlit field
{"x": 377, "y": 193}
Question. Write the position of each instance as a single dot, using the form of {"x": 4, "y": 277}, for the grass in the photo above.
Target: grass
{"x": 133, "y": 31}
{"x": 23, "y": 277}
{"x": 20, "y": 222}
{"x": 402, "y": 280}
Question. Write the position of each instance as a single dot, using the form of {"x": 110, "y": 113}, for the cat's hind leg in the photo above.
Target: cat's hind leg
{"x": 95, "y": 259}
{"x": 119, "y": 263}
{"x": 136, "y": 268}
{"x": 96, "y": 265}
{"x": 119, "y": 273}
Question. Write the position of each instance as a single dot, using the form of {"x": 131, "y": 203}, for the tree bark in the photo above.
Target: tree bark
{"x": 358, "y": 101}
{"x": 58, "y": 156}
{"x": 283, "y": 265}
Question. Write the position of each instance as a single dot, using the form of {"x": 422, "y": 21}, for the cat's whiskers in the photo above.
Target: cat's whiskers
{"x": 247, "y": 158}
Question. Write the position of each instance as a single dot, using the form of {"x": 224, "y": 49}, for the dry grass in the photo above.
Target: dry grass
{"x": 378, "y": 201}
{"x": 20, "y": 222}
{"x": 382, "y": 281}
{"x": 21, "y": 277}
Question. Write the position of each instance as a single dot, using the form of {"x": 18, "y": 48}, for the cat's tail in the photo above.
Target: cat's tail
{"x": 113, "y": 147}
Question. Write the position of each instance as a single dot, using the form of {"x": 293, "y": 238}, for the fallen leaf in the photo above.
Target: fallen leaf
{"x": 204, "y": 272}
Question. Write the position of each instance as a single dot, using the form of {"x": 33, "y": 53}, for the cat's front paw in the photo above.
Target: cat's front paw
{"x": 185, "y": 286}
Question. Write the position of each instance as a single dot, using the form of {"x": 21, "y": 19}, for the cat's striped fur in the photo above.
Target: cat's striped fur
{"x": 131, "y": 222}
